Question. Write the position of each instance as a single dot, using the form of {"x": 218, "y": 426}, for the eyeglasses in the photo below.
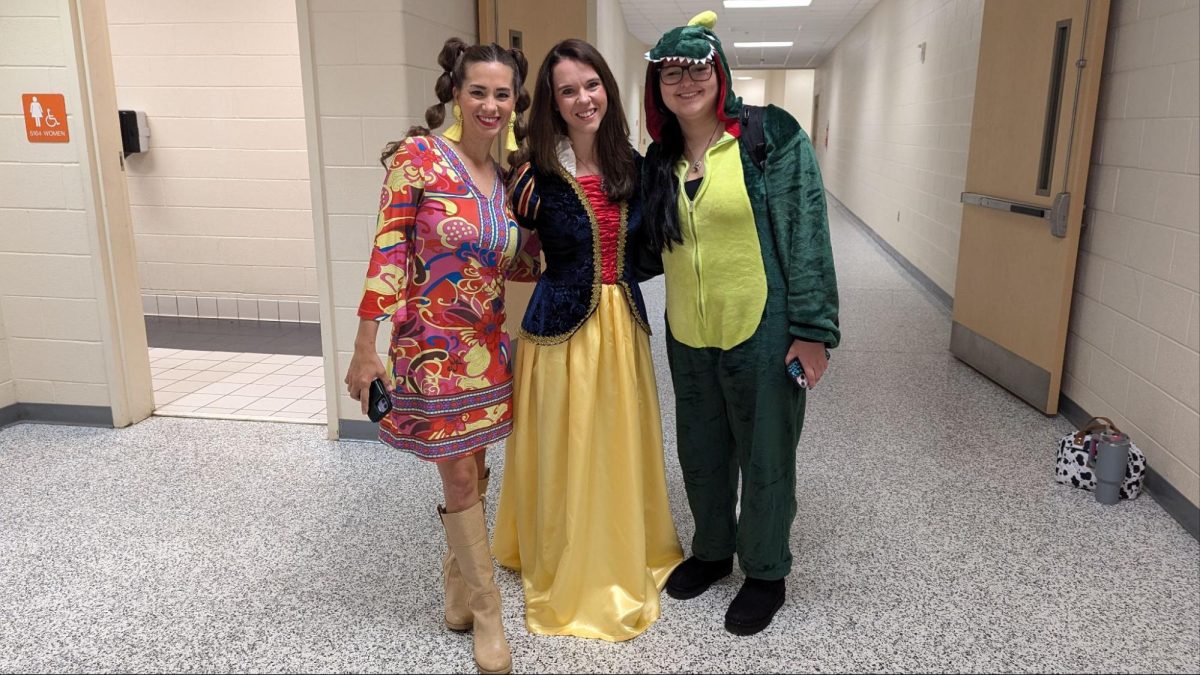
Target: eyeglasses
{"x": 699, "y": 72}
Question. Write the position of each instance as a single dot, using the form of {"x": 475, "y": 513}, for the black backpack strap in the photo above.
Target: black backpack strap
{"x": 753, "y": 137}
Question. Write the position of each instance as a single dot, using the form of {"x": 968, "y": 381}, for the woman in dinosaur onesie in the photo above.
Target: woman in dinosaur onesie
{"x": 743, "y": 236}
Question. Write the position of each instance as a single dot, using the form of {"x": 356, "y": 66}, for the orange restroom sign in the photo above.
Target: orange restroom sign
{"x": 45, "y": 118}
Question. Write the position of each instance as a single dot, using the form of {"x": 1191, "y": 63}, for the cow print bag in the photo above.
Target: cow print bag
{"x": 1077, "y": 455}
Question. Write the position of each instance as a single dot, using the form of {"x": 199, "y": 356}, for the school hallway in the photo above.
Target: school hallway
{"x": 931, "y": 536}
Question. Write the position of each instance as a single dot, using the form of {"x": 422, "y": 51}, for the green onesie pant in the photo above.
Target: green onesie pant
{"x": 738, "y": 411}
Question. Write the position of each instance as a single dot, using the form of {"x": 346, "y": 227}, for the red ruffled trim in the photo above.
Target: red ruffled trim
{"x": 608, "y": 218}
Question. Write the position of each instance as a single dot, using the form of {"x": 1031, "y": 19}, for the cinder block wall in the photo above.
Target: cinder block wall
{"x": 373, "y": 67}
{"x": 1133, "y": 353}
{"x": 221, "y": 202}
{"x": 53, "y": 284}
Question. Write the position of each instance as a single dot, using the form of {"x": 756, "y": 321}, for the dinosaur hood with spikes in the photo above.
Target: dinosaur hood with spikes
{"x": 694, "y": 43}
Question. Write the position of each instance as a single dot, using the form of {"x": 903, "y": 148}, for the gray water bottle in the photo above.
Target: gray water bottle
{"x": 1112, "y": 456}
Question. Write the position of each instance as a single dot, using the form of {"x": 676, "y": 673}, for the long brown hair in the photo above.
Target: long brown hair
{"x": 613, "y": 150}
{"x": 456, "y": 56}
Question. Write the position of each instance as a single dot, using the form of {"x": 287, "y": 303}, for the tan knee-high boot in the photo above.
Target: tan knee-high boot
{"x": 466, "y": 532}
{"x": 458, "y": 615}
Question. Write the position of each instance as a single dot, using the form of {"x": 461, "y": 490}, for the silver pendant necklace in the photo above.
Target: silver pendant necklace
{"x": 696, "y": 165}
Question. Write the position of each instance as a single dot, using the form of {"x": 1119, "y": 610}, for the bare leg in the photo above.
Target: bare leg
{"x": 460, "y": 482}
{"x": 481, "y": 465}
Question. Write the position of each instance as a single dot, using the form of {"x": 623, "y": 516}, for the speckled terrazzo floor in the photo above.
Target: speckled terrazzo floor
{"x": 931, "y": 537}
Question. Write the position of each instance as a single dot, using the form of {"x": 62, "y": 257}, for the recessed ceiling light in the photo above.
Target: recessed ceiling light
{"x": 743, "y": 77}
{"x": 753, "y": 45}
{"x": 755, "y": 4}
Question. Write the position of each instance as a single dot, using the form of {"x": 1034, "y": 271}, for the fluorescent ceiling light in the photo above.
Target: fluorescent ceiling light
{"x": 753, "y": 45}
{"x": 755, "y": 4}
{"x": 743, "y": 77}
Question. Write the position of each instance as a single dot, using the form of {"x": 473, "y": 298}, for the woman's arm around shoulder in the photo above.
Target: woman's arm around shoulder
{"x": 522, "y": 194}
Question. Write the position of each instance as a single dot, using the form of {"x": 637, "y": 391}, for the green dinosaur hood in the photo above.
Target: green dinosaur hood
{"x": 695, "y": 42}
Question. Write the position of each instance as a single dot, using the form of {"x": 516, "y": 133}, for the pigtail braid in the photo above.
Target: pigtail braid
{"x": 521, "y": 128}
{"x": 449, "y": 59}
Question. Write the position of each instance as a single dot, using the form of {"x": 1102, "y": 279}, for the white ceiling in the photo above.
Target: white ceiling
{"x": 815, "y": 29}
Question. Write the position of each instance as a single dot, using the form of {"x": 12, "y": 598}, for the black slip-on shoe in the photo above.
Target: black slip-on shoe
{"x": 694, "y": 576}
{"x": 755, "y": 606}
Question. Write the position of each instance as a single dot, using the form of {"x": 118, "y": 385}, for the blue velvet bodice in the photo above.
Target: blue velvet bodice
{"x": 555, "y": 206}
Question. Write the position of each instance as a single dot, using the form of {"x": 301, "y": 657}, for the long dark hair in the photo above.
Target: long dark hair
{"x": 613, "y": 151}
{"x": 456, "y": 56}
{"x": 662, "y": 186}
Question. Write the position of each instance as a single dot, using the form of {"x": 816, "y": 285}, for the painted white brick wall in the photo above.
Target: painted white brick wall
{"x": 899, "y": 129}
{"x": 50, "y": 342}
{"x": 374, "y": 63}
{"x": 1133, "y": 353}
{"x": 220, "y": 203}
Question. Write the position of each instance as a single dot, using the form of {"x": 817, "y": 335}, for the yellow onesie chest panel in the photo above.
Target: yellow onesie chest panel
{"x": 716, "y": 284}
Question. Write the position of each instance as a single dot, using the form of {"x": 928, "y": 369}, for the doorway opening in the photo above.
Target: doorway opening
{"x": 221, "y": 210}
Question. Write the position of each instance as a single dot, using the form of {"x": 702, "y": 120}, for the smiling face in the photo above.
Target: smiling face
{"x": 579, "y": 97}
{"x": 487, "y": 100}
{"x": 688, "y": 98}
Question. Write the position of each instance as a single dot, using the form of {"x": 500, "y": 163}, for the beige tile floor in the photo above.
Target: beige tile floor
{"x": 243, "y": 386}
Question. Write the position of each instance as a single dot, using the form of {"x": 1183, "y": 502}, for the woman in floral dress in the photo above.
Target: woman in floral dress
{"x": 445, "y": 242}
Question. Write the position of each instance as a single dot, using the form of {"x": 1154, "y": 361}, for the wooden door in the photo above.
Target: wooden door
{"x": 1027, "y": 166}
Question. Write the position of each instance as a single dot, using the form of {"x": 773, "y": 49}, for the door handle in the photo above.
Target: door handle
{"x": 1056, "y": 214}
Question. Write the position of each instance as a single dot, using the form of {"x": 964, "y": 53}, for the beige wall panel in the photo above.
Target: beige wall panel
{"x": 625, "y": 55}
{"x": 898, "y": 128}
{"x": 798, "y": 98}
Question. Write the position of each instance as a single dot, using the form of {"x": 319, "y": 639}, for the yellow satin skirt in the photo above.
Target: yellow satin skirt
{"x": 583, "y": 512}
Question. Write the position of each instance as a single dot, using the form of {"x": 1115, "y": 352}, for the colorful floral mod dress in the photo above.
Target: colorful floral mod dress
{"x": 442, "y": 252}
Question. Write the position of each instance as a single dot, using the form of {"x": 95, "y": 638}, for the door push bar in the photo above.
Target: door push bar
{"x": 1055, "y": 214}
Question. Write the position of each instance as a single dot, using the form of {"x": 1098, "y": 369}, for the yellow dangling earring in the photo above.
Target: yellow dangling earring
{"x": 454, "y": 133}
{"x": 511, "y": 143}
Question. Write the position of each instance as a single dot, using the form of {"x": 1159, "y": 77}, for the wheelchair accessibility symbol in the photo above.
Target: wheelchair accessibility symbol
{"x": 45, "y": 118}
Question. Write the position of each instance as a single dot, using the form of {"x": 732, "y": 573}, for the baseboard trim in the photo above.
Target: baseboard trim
{"x": 1168, "y": 497}
{"x": 357, "y": 430}
{"x": 55, "y": 413}
{"x": 943, "y": 298}
{"x": 9, "y": 414}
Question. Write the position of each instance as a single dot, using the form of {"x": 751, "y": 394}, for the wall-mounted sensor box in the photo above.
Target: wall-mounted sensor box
{"x": 135, "y": 131}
